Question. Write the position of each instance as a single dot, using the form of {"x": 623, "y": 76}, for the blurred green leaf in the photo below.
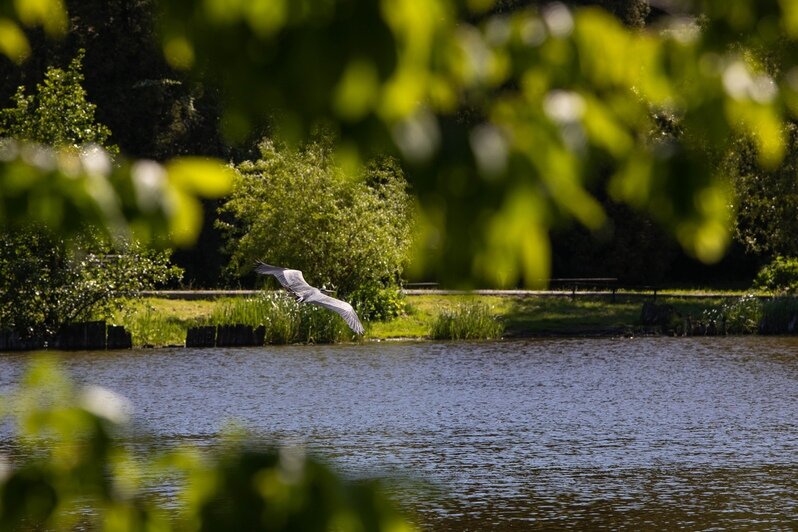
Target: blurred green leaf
{"x": 49, "y": 14}
{"x": 13, "y": 43}
{"x": 200, "y": 176}
{"x": 485, "y": 100}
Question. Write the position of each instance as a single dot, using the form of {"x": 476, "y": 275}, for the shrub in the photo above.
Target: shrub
{"x": 471, "y": 321}
{"x": 781, "y": 275}
{"x": 739, "y": 316}
{"x": 377, "y": 303}
{"x": 48, "y": 282}
{"x": 57, "y": 113}
{"x": 296, "y": 208}
{"x": 743, "y": 315}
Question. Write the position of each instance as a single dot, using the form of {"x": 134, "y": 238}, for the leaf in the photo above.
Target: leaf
{"x": 13, "y": 43}
{"x": 208, "y": 178}
{"x": 50, "y": 14}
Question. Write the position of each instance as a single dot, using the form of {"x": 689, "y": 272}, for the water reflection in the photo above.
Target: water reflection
{"x": 653, "y": 432}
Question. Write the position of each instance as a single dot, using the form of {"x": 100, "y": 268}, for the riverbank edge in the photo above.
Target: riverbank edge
{"x": 523, "y": 312}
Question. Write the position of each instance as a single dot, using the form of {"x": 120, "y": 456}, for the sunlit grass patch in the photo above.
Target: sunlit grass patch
{"x": 160, "y": 322}
{"x": 467, "y": 321}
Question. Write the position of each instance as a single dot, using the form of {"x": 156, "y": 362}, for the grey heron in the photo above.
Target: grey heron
{"x": 293, "y": 281}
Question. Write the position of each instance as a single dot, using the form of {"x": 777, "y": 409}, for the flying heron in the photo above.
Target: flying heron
{"x": 293, "y": 281}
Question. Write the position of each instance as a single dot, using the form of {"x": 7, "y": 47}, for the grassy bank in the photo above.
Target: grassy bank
{"x": 158, "y": 322}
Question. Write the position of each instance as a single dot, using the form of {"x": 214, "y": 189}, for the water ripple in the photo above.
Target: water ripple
{"x": 612, "y": 433}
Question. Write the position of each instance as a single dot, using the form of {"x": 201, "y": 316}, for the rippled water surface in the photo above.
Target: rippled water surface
{"x": 630, "y": 433}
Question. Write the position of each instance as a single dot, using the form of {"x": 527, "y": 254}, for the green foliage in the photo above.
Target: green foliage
{"x": 377, "y": 303}
{"x": 738, "y": 316}
{"x": 78, "y": 475}
{"x": 57, "y": 114}
{"x": 631, "y": 12}
{"x": 468, "y": 321}
{"x": 297, "y": 208}
{"x": 47, "y": 282}
{"x": 56, "y": 171}
{"x": 781, "y": 275}
{"x": 67, "y": 191}
{"x": 286, "y": 320}
{"x": 286, "y": 491}
{"x": 766, "y": 201}
{"x": 148, "y": 327}
{"x": 49, "y": 15}
{"x": 743, "y": 315}
{"x": 506, "y": 115}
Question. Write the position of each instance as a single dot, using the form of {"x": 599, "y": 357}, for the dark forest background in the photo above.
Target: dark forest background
{"x": 154, "y": 113}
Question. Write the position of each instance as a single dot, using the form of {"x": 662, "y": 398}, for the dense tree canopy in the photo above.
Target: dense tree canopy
{"x": 549, "y": 93}
{"x": 767, "y": 202}
{"x": 63, "y": 190}
{"x": 297, "y": 207}
{"x": 47, "y": 281}
{"x": 501, "y": 111}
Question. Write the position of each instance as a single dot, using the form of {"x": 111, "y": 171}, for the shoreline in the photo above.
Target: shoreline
{"x": 164, "y": 321}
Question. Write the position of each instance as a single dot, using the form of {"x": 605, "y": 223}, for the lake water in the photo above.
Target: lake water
{"x": 568, "y": 433}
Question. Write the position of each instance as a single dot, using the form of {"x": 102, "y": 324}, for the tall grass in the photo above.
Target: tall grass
{"x": 285, "y": 320}
{"x": 779, "y": 316}
{"x": 151, "y": 328}
{"x": 467, "y": 321}
{"x": 749, "y": 315}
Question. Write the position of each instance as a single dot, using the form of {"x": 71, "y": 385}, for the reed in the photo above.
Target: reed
{"x": 285, "y": 320}
{"x": 779, "y": 316}
{"x": 467, "y": 321}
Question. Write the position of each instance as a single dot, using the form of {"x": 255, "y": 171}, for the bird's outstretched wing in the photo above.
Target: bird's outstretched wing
{"x": 341, "y": 307}
{"x": 290, "y": 279}
{"x": 295, "y": 282}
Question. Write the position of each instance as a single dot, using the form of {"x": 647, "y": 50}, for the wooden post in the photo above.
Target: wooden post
{"x": 201, "y": 337}
{"x": 119, "y": 338}
{"x": 82, "y": 335}
{"x": 12, "y": 341}
{"x": 239, "y": 335}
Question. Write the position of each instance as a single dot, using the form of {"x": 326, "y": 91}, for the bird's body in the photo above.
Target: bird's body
{"x": 295, "y": 283}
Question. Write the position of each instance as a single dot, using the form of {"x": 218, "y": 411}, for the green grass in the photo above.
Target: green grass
{"x": 156, "y": 321}
{"x": 468, "y": 321}
{"x": 161, "y": 322}
{"x": 588, "y": 316}
{"x": 286, "y": 321}
{"x": 542, "y": 316}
